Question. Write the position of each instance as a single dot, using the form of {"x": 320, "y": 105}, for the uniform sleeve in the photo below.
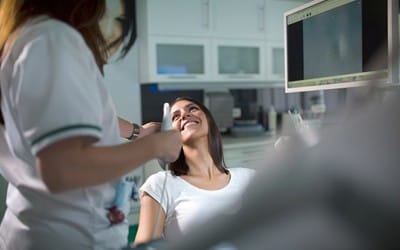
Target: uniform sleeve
{"x": 55, "y": 89}
{"x": 154, "y": 186}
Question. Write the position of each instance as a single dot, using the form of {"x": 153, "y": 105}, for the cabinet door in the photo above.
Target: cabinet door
{"x": 238, "y": 60}
{"x": 178, "y": 17}
{"x": 238, "y": 18}
{"x": 249, "y": 155}
{"x": 178, "y": 59}
{"x": 275, "y": 62}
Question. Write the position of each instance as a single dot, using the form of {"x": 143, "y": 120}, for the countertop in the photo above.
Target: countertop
{"x": 243, "y": 141}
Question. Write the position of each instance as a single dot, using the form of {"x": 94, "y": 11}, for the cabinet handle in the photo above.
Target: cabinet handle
{"x": 206, "y": 13}
{"x": 183, "y": 77}
{"x": 240, "y": 76}
{"x": 261, "y": 16}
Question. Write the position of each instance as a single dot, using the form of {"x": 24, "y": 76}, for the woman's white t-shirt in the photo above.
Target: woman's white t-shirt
{"x": 52, "y": 89}
{"x": 187, "y": 206}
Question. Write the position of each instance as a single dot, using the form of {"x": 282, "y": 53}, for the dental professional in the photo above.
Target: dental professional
{"x": 196, "y": 186}
{"x": 60, "y": 142}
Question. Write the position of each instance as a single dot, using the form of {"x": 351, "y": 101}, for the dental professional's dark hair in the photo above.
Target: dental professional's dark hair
{"x": 128, "y": 27}
{"x": 83, "y": 15}
{"x": 180, "y": 167}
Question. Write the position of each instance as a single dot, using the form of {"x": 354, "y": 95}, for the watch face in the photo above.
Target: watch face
{"x": 136, "y": 130}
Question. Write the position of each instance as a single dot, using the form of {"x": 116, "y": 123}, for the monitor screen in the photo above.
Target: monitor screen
{"x": 339, "y": 44}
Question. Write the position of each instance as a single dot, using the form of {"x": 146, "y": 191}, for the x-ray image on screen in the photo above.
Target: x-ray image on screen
{"x": 333, "y": 43}
{"x": 341, "y": 44}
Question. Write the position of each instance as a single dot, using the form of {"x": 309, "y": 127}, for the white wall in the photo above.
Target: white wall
{"x": 122, "y": 81}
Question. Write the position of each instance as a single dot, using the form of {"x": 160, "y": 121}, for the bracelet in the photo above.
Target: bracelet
{"x": 135, "y": 132}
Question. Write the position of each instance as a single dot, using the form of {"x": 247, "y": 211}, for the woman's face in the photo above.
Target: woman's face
{"x": 110, "y": 24}
{"x": 189, "y": 119}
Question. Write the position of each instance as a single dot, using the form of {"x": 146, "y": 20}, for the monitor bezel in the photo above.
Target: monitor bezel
{"x": 392, "y": 78}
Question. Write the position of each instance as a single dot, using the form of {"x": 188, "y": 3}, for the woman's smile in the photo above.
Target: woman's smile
{"x": 189, "y": 123}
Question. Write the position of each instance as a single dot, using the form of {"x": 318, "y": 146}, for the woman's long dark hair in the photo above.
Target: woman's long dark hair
{"x": 180, "y": 167}
{"x": 1, "y": 114}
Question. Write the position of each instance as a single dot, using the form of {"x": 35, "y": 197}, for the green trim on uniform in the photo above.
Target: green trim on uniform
{"x": 63, "y": 129}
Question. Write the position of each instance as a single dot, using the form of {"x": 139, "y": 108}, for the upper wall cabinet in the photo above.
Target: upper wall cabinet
{"x": 224, "y": 18}
{"x": 209, "y": 40}
{"x": 175, "y": 17}
{"x": 167, "y": 59}
{"x": 238, "y": 18}
{"x": 237, "y": 60}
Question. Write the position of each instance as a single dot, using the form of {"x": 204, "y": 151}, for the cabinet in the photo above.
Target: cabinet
{"x": 174, "y": 17}
{"x": 247, "y": 152}
{"x": 238, "y": 60}
{"x": 210, "y": 40}
{"x": 238, "y": 18}
{"x": 224, "y": 18}
{"x": 201, "y": 40}
{"x": 275, "y": 61}
{"x": 168, "y": 59}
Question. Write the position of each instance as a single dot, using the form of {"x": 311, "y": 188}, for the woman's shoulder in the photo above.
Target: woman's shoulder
{"x": 51, "y": 29}
{"x": 159, "y": 177}
{"x": 160, "y": 181}
{"x": 47, "y": 37}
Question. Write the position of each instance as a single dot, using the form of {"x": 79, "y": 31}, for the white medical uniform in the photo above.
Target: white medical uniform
{"x": 187, "y": 206}
{"x": 52, "y": 89}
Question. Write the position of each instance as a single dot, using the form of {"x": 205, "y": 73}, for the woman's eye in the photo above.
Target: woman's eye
{"x": 123, "y": 22}
{"x": 121, "y": 19}
{"x": 193, "y": 108}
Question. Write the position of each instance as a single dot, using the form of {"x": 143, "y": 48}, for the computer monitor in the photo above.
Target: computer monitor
{"x": 332, "y": 44}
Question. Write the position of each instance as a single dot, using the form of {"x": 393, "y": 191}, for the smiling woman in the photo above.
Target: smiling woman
{"x": 199, "y": 183}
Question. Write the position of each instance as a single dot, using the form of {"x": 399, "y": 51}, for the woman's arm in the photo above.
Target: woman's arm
{"x": 74, "y": 163}
{"x": 126, "y": 128}
{"x": 149, "y": 209}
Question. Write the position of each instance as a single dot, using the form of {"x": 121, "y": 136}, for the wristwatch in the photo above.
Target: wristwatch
{"x": 135, "y": 132}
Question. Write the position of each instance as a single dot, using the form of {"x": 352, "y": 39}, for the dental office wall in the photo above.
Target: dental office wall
{"x": 122, "y": 82}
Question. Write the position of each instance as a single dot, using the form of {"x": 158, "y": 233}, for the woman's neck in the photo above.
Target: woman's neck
{"x": 200, "y": 162}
